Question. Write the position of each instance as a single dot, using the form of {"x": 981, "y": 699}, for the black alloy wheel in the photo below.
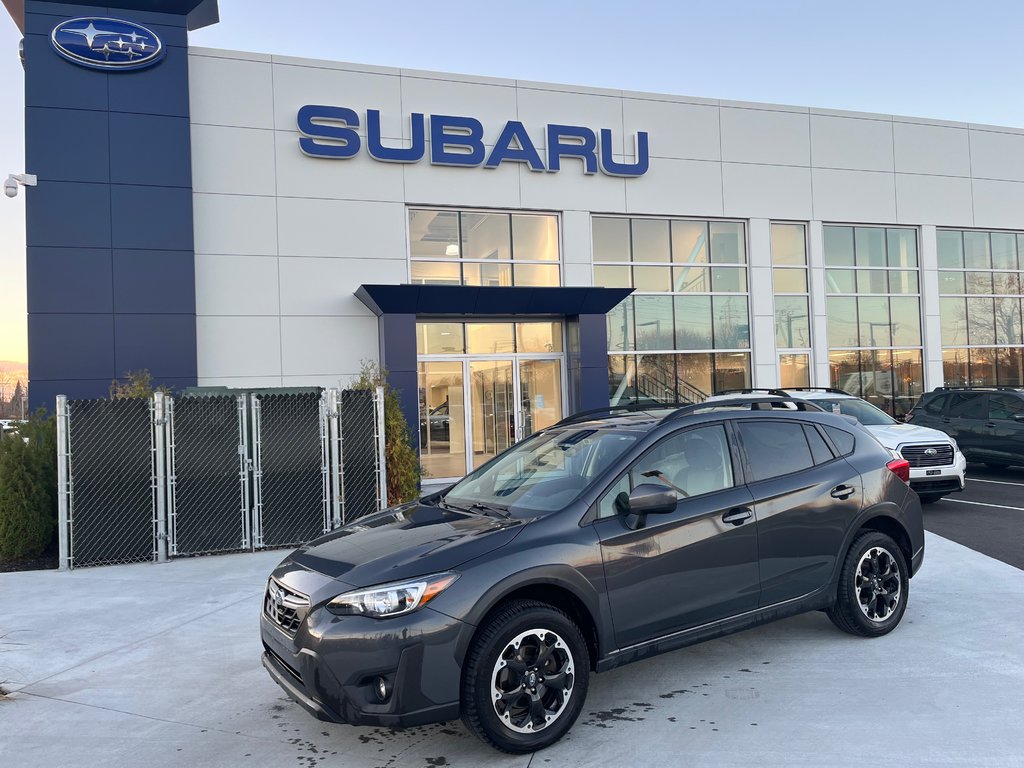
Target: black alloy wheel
{"x": 525, "y": 677}
{"x": 873, "y": 587}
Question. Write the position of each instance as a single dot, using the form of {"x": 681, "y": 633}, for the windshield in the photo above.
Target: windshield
{"x": 544, "y": 473}
{"x": 861, "y": 410}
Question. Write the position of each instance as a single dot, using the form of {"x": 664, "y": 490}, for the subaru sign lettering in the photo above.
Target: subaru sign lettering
{"x": 110, "y": 44}
{"x": 330, "y": 132}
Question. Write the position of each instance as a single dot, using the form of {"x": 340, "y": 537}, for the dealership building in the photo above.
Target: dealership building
{"x": 509, "y": 251}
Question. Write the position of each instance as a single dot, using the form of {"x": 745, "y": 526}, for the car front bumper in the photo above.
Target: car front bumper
{"x": 331, "y": 665}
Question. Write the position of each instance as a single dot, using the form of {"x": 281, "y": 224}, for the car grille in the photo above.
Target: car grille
{"x": 284, "y": 607}
{"x": 936, "y": 455}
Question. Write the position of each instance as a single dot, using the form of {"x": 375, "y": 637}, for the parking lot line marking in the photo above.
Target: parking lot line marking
{"x": 983, "y": 504}
{"x": 996, "y": 482}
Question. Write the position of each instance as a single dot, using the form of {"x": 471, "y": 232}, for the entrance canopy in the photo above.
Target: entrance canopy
{"x": 583, "y": 308}
{"x": 489, "y": 300}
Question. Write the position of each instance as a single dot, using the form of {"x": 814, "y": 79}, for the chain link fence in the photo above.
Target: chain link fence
{"x": 147, "y": 480}
{"x": 207, "y": 509}
{"x": 289, "y": 469}
{"x": 109, "y": 485}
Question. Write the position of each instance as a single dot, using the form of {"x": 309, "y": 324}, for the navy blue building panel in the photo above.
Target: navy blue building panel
{"x": 111, "y": 266}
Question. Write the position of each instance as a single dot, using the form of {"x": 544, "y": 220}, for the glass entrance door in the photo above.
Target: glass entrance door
{"x": 540, "y": 394}
{"x": 492, "y": 408}
{"x": 482, "y": 387}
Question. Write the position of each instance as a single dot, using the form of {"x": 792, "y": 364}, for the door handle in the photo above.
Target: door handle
{"x": 991, "y": 424}
{"x": 737, "y": 515}
{"x": 843, "y": 491}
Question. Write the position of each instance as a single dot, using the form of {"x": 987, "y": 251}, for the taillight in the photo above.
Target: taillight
{"x": 900, "y": 468}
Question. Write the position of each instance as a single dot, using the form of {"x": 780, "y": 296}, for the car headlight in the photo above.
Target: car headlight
{"x": 395, "y": 599}
{"x": 894, "y": 452}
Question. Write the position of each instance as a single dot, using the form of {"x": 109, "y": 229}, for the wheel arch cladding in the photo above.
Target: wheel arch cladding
{"x": 894, "y": 530}
{"x": 557, "y": 596}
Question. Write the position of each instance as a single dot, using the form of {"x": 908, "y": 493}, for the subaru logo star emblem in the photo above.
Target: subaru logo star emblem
{"x": 110, "y": 44}
{"x": 930, "y": 452}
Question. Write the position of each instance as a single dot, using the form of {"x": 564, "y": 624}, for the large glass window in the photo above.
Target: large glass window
{"x": 482, "y": 248}
{"x": 792, "y": 303}
{"x": 690, "y": 281}
{"x": 873, "y": 308}
{"x": 980, "y": 284}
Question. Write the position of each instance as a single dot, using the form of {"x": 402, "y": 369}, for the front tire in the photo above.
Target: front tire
{"x": 525, "y": 678}
{"x": 873, "y": 587}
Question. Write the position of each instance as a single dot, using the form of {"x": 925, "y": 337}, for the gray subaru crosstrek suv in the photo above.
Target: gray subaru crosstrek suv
{"x": 603, "y": 539}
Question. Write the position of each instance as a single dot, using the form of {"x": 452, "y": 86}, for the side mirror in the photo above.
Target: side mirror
{"x": 649, "y": 499}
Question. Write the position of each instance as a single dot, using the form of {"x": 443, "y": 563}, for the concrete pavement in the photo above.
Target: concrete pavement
{"x": 158, "y": 665}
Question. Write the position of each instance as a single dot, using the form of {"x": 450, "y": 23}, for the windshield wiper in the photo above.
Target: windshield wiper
{"x": 491, "y": 510}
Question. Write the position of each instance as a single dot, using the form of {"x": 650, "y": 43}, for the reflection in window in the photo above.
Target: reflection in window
{"x": 980, "y": 284}
{"x": 794, "y": 371}
{"x": 691, "y": 288}
{"x": 874, "y": 312}
{"x": 478, "y": 248}
{"x": 439, "y": 339}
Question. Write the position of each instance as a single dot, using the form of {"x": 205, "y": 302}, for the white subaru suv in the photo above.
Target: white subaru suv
{"x": 937, "y": 466}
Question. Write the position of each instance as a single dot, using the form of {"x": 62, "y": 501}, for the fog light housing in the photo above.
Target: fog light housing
{"x": 382, "y": 688}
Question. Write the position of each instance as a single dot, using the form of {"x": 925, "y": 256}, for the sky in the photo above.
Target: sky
{"x": 944, "y": 59}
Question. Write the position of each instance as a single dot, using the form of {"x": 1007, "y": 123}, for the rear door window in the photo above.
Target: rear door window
{"x": 774, "y": 448}
{"x": 820, "y": 451}
{"x": 1004, "y": 407}
{"x": 967, "y": 405}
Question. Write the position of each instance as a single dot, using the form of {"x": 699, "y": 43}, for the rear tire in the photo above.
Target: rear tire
{"x": 525, "y": 677}
{"x": 930, "y": 498}
{"x": 873, "y": 587}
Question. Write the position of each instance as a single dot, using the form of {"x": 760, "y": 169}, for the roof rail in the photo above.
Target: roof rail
{"x": 754, "y": 404}
{"x": 609, "y": 410}
{"x": 833, "y": 390}
{"x": 751, "y": 391}
{"x": 983, "y": 388}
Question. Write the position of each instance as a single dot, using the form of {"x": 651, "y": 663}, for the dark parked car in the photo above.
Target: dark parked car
{"x": 599, "y": 541}
{"x": 986, "y": 422}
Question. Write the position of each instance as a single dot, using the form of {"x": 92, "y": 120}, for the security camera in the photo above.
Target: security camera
{"x": 14, "y": 179}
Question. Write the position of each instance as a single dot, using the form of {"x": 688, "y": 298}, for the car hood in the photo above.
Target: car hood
{"x": 404, "y": 542}
{"x": 895, "y": 435}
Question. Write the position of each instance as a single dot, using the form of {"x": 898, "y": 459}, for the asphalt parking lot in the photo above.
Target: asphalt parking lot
{"x": 158, "y": 665}
{"x": 988, "y": 516}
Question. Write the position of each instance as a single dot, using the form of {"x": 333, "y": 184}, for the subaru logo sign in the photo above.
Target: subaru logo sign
{"x": 111, "y": 44}
{"x": 930, "y": 452}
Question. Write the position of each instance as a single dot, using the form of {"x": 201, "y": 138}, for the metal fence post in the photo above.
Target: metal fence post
{"x": 379, "y": 437}
{"x": 336, "y": 467}
{"x": 159, "y": 436}
{"x": 172, "y": 540}
{"x": 63, "y": 484}
{"x": 244, "y": 468}
{"x": 256, "y": 464}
